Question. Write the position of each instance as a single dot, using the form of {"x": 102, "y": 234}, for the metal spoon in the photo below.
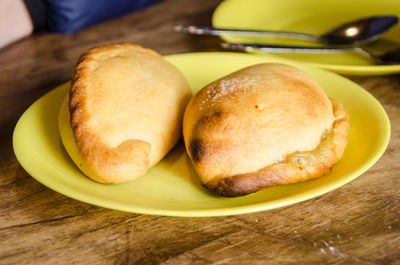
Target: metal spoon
{"x": 392, "y": 57}
{"x": 351, "y": 33}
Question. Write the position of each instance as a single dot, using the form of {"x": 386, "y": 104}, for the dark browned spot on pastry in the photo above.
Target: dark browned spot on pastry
{"x": 244, "y": 184}
{"x": 73, "y": 107}
{"x": 209, "y": 117}
{"x": 75, "y": 78}
{"x": 234, "y": 186}
{"x": 196, "y": 149}
{"x": 216, "y": 114}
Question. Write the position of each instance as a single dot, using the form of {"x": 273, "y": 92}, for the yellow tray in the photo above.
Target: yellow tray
{"x": 172, "y": 187}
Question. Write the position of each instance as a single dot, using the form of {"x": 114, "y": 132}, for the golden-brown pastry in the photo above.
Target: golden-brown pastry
{"x": 124, "y": 112}
{"x": 265, "y": 125}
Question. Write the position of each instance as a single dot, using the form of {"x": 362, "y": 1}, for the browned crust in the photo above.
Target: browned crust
{"x": 296, "y": 167}
{"x": 109, "y": 165}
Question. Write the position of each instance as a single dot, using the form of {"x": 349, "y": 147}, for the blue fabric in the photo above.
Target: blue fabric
{"x": 67, "y": 16}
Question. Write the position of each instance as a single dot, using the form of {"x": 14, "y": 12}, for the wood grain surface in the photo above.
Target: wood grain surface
{"x": 358, "y": 223}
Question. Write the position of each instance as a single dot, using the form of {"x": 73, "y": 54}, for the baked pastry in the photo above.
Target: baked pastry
{"x": 264, "y": 125}
{"x": 123, "y": 112}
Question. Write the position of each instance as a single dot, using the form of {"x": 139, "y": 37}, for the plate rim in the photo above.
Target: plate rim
{"x": 227, "y": 210}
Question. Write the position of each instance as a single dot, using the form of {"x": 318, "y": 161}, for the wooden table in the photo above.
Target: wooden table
{"x": 358, "y": 223}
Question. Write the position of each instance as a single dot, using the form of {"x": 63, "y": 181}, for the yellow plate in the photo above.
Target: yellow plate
{"x": 314, "y": 17}
{"x": 172, "y": 187}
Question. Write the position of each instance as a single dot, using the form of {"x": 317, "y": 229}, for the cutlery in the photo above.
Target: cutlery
{"x": 351, "y": 33}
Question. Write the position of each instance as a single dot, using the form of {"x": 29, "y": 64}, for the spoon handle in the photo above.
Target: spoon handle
{"x": 285, "y": 49}
{"x": 207, "y": 30}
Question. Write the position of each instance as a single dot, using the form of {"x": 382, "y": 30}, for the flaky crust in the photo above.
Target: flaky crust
{"x": 114, "y": 106}
{"x": 264, "y": 125}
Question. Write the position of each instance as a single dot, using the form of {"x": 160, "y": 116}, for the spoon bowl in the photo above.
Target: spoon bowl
{"x": 360, "y": 31}
{"x": 352, "y": 33}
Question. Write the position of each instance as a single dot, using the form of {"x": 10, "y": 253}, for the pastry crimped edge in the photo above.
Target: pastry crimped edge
{"x": 97, "y": 160}
{"x": 295, "y": 167}
{"x": 98, "y": 168}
